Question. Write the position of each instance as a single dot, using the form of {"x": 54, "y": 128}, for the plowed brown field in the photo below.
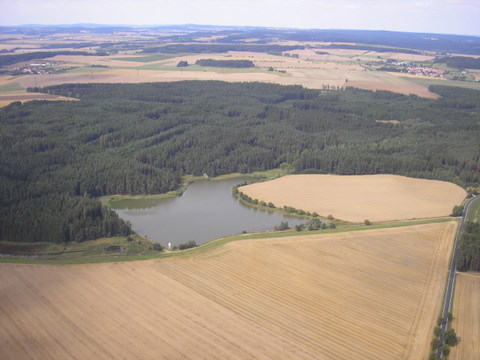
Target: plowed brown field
{"x": 466, "y": 313}
{"x": 362, "y": 295}
{"x": 360, "y": 197}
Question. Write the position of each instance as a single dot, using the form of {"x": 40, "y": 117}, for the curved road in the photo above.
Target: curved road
{"x": 453, "y": 264}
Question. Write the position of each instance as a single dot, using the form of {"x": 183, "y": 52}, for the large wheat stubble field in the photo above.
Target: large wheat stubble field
{"x": 466, "y": 313}
{"x": 371, "y": 294}
{"x": 359, "y": 197}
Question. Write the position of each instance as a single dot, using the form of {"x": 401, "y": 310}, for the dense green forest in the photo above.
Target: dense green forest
{"x": 225, "y": 63}
{"x": 370, "y": 48}
{"x": 56, "y": 157}
{"x": 15, "y": 58}
{"x": 441, "y": 43}
{"x": 469, "y": 249}
{"x": 459, "y": 62}
{"x": 219, "y": 48}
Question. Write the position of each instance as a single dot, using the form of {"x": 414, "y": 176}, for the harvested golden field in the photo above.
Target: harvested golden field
{"x": 359, "y": 197}
{"x": 392, "y": 82}
{"x": 466, "y": 313}
{"x": 361, "y": 295}
{"x": 393, "y": 122}
{"x": 410, "y": 89}
{"x": 138, "y": 76}
{"x": 10, "y": 97}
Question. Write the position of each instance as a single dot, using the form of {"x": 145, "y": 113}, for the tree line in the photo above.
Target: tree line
{"x": 219, "y": 48}
{"x": 226, "y": 63}
{"x": 459, "y": 62}
{"x": 468, "y": 258}
{"x": 6, "y": 60}
{"x": 369, "y": 48}
{"x": 57, "y": 157}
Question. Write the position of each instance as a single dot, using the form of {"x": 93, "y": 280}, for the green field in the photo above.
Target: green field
{"x": 163, "y": 67}
{"x": 224, "y": 70}
{"x": 474, "y": 211}
{"x": 10, "y": 87}
{"x": 194, "y": 67}
{"x": 428, "y": 82}
{"x": 87, "y": 69}
{"x": 150, "y": 58}
{"x": 139, "y": 248}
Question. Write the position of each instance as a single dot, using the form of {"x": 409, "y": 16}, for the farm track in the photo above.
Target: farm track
{"x": 373, "y": 294}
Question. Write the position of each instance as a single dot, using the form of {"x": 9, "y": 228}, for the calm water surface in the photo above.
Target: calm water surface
{"x": 206, "y": 211}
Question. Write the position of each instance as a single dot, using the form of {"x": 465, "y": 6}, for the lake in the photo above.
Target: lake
{"x": 206, "y": 211}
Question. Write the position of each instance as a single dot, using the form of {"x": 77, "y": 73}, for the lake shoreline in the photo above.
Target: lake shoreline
{"x": 206, "y": 210}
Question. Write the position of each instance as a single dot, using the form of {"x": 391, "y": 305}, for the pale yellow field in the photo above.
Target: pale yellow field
{"x": 466, "y": 313}
{"x": 371, "y": 295}
{"x": 359, "y": 197}
{"x": 393, "y": 122}
{"x": 407, "y": 89}
{"x": 22, "y": 97}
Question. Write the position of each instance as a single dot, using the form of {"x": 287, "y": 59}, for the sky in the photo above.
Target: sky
{"x": 432, "y": 16}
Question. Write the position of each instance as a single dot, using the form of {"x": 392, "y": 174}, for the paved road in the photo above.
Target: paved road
{"x": 453, "y": 264}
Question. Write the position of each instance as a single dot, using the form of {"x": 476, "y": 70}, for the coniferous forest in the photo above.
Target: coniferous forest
{"x": 57, "y": 157}
{"x": 469, "y": 248}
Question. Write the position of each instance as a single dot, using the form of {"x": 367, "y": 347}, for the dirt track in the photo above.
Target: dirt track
{"x": 362, "y": 295}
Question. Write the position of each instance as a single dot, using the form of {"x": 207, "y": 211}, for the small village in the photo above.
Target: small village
{"x": 35, "y": 68}
{"x": 425, "y": 71}
{"x": 406, "y": 67}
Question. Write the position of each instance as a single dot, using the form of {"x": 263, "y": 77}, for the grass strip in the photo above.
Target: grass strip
{"x": 216, "y": 243}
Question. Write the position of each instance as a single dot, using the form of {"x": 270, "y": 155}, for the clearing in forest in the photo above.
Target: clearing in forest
{"x": 466, "y": 317}
{"x": 371, "y": 294}
{"x": 22, "y": 97}
{"x": 359, "y": 197}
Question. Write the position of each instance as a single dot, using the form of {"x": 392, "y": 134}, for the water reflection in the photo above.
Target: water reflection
{"x": 207, "y": 210}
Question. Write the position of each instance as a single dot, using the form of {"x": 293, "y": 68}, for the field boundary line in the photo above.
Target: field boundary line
{"x": 452, "y": 271}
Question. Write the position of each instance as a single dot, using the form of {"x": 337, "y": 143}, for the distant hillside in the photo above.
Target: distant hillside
{"x": 440, "y": 43}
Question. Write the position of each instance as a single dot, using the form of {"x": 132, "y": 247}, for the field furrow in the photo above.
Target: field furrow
{"x": 366, "y": 295}
{"x": 466, "y": 317}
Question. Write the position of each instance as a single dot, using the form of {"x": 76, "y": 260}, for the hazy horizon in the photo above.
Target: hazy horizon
{"x": 425, "y": 16}
{"x": 221, "y": 26}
